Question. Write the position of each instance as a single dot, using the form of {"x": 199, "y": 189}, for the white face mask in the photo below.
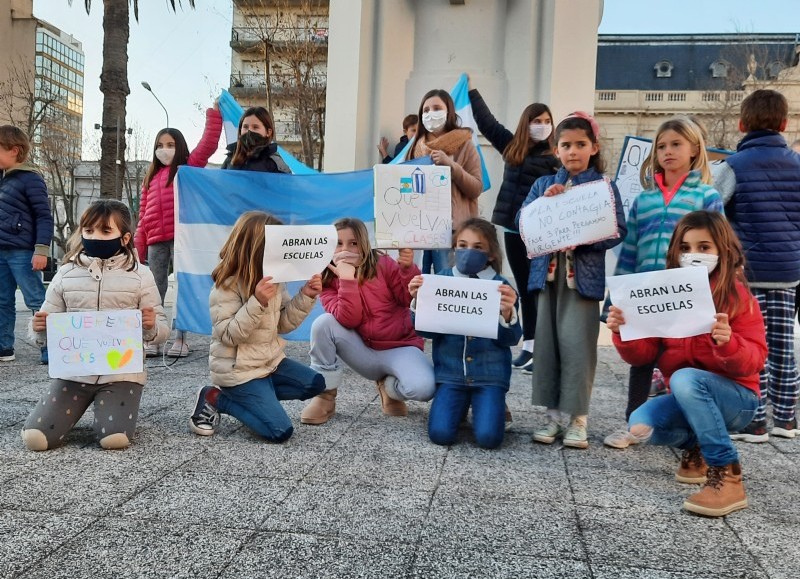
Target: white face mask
{"x": 434, "y": 120}
{"x": 707, "y": 260}
{"x": 539, "y": 131}
{"x": 165, "y": 155}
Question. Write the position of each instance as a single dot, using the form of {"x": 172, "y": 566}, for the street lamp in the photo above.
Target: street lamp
{"x": 147, "y": 86}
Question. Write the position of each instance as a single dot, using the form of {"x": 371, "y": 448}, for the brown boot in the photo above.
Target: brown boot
{"x": 692, "y": 470}
{"x": 722, "y": 494}
{"x": 390, "y": 406}
{"x": 320, "y": 409}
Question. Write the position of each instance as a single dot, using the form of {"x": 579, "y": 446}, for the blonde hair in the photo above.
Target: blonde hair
{"x": 690, "y": 131}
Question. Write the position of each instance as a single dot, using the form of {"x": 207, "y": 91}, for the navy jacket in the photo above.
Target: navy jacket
{"x": 590, "y": 260}
{"x": 25, "y": 218}
{"x": 466, "y": 360}
{"x": 765, "y": 207}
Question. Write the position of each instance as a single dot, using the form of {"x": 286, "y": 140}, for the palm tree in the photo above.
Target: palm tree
{"x": 115, "y": 89}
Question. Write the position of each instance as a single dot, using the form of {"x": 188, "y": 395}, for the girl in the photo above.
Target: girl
{"x": 367, "y": 326}
{"x": 676, "y": 180}
{"x": 255, "y": 149}
{"x": 528, "y": 155}
{"x": 100, "y": 272}
{"x": 713, "y": 378}
{"x": 473, "y": 371}
{"x": 570, "y": 284}
{"x": 249, "y": 370}
{"x": 155, "y": 233}
{"x": 439, "y": 135}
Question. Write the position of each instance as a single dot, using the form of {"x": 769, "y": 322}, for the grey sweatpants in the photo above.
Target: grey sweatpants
{"x": 116, "y": 408}
{"x": 159, "y": 258}
{"x": 332, "y": 342}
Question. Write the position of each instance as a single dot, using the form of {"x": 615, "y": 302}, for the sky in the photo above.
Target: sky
{"x": 185, "y": 56}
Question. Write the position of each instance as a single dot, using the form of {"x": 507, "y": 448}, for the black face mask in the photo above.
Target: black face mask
{"x": 102, "y": 248}
{"x": 251, "y": 140}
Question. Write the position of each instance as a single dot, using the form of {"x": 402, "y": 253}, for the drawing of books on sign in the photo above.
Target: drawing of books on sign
{"x": 412, "y": 206}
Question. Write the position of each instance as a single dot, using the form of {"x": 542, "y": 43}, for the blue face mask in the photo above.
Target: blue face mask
{"x": 470, "y": 261}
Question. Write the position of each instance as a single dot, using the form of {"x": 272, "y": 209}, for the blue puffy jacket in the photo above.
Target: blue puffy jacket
{"x": 25, "y": 218}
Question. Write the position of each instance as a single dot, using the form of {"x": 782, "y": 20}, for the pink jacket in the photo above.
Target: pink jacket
{"x": 378, "y": 309}
{"x": 157, "y": 204}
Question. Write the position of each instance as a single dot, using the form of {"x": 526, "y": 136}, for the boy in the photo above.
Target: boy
{"x": 409, "y": 132}
{"x": 760, "y": 186}
{"x": 26, "y": 228}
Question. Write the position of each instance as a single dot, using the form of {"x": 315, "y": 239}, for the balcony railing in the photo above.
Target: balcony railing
{"x": 253, "y": 85}
{"x": 632, "y": 101}
{"x": 244, "y": 38}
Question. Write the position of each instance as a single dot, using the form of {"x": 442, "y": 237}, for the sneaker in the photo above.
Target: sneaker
{"x": 523, "y": 359}
{"x": 620, "y": 439}
{"x": 179, "y": 349}
{"x": 44, "y": 360}
{"x": 785, "y": 429}
{"x": 205, "y": 419}
{"x": 527, "y": 368}
{"x": 152, "y": 350}
{"x": 509, "y": 419}
{"x": 575, "y": 436}
{"x": 755, "y": 432}
{"x": 547, "y": 434}
{"x": 7, "y": 356}
{"x": 657, "y": 384}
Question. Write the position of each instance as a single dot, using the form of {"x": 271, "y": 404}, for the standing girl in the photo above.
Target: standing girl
{"x": 713, "y": 377}
{"x": 676, "y": 180}
{"x": 155, "y": 234}
{"x": 570, "y": 284}
{"x": 528, "y": 155}
{"x": 249, "y": 369}
{"x": 440, "y": 136}
{"x": 473, "y": 371}
{"x": 255, "y": 150}
{"x": 367, "y": 326}
{"x": 100, "y": 272}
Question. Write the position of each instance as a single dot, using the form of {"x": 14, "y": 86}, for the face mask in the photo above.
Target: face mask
{"x": 251, "y": 140}
{"x": 706, "y": 260}
{"x": 434, "y": 120}
{"x": 102, "y": 248}
{"x": 470, "y": 261}
{"x": 539, "y": 131}
{"x": 165, "y": 155}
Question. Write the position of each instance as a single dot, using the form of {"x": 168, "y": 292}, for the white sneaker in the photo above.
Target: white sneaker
{"x": 575, "y": 436}
{"x": 152, "y": 350}
{"x": 179, "y": 349}
{"x": 620, "y": 439}
{"x": 547, "y": 434}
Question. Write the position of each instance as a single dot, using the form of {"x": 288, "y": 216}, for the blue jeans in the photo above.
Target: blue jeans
{"x": 700, "y": 410}
{"x": 438, "y": 259}
{"x": 450, "y": 405}
{"x": 16, "y": 270}
{"x": 256, "y": 403}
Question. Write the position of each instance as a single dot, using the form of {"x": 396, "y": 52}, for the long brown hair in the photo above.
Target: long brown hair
{"x": 367, "y": 267}
{"x": 98, "y": 214}
{"x": 452, "y": 121}
{"x": 240, "y": 258}
{"x": 689, "y": 130}
{"x": 489, "y": 234}
{"x": 181, "y": 156}
{"x": 583, "y": 122}
{"x": 730, "y": 267}
{"x": 262, "y": 114}
{"x": 518, "y": 148}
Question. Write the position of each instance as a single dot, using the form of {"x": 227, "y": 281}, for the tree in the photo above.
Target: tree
{"x": 115, "y": 89}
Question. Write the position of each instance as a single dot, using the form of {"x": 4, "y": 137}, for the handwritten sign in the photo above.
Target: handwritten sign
{"x": 672, "y": 303}
{"x": 95, "y": 343}
{"x": 584, "y": 214}
{"x": 412, "y": 206}
{"x": 458, "y": 305}
{"x": 296, "y": 252}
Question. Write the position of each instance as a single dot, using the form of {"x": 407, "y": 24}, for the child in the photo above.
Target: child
{"x": 473, "y": 371}
{"x": 760, "y": 186}
{"x": 255, "y": 150}
{"x": 249, "y": 369}
{"x": 713, "y": 377}
{"x": 155, "y": 233}
{"x": 367, "y": 326}
{"x": 410, "y": 123}
{"x": 100, "y": 272}
{"x": 26, "y": 228}
{"x": 675, "y": 180}
{"x": 570, "y": 284}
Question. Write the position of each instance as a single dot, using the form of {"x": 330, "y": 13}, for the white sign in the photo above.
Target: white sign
{"x": 296, "y": 252}
{"x": 584, "y": 214}
{"x": 413, "y": 207}
{"x": 94, "y": 343}
{"x": 671, "y": 303}
{"x": 458, "y": 305}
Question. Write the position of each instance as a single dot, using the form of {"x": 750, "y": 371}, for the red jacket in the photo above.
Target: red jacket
{"x": 157, "y": 204}
{"x": 378, "y": 309}
{"x": 740, "y": 360}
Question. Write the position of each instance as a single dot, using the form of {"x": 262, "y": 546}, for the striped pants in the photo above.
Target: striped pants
{"x": 779, "y": 379}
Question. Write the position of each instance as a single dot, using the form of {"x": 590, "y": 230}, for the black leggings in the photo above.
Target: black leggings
{"x": 639, "y": 381}
{"x": 521, "y": 266}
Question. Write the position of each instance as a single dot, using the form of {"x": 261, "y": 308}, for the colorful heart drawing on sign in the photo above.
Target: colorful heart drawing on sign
{"x": 118, "y": 360}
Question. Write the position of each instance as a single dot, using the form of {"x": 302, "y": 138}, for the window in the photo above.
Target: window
{"x": 774, "y": 68}
{"x": 663, "y": 69}
{"x": 719, "y": 69}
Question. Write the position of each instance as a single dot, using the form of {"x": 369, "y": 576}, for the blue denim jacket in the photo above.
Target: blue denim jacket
{"x": 471, "y": 361}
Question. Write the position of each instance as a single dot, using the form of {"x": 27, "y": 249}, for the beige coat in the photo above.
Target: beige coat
{"x": 91, "y": 284}
{"x": 245, "y": 344}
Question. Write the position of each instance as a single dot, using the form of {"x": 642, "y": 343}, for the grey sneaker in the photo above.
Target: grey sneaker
{"x": 575, "y": 436}
{"x": 620, "y": 439}
{"x": 547, "y": 434}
